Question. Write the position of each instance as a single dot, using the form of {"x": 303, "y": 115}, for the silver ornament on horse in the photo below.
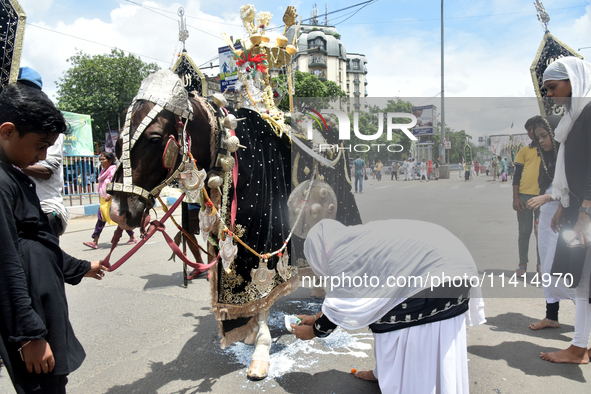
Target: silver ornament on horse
{"x": 309, "y": 204}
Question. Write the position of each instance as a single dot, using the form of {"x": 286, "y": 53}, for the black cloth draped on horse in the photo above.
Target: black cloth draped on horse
{"x": 265, "y": 178}
{"x": 338, "y": 178}
{"x": 263, "y": 187}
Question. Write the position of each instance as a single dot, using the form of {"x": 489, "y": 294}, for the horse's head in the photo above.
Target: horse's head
{"x": 148, "y": 163}
{"x": 161, "y": 125}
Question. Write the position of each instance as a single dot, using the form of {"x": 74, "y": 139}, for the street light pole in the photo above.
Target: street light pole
{"x": 443, "y": 154}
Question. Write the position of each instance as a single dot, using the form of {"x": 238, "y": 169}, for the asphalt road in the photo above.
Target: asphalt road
{"x": 145, "y": 333}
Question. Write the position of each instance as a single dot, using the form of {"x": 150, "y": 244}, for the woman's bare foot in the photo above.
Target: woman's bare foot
{"x": 366, "y": 375}
{"x": 572, "y": 355}
{"x": 544, "y": 323}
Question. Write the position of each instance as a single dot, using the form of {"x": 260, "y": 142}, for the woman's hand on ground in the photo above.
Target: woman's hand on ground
{"x": 303, "y": 332}
{"x": 307, "y": 320}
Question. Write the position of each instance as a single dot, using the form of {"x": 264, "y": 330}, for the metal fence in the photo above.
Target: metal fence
{"x": 81, "y": 179}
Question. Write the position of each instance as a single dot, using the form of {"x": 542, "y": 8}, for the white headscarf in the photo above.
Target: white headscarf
{"x": 579, "y": 74}
{"x": 388, "y": 248}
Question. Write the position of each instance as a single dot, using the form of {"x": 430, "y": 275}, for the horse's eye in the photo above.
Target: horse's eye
{"x": 155, "y": 140}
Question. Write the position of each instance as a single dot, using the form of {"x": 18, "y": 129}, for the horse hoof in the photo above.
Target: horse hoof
{"x": 258, "y": 370}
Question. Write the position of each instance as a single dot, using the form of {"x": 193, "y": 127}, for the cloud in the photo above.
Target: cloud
{"x": 152, "y": 35}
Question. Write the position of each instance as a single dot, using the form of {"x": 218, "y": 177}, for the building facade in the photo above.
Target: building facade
{"x": 322, "y": 53}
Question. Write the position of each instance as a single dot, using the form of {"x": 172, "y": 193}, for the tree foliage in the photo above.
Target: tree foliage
{"x": 101, "y": 86}
{"x": 458, "y": 142}
{"x": 368, "y": 125}
{"x": 307, "y": 85}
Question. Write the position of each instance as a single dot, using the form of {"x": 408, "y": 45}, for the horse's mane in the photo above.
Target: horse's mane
{"x": 200, "y": 104}
{"x": 202, "y": 113}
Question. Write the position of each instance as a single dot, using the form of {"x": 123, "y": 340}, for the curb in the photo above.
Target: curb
{"x": 92, "y": 209}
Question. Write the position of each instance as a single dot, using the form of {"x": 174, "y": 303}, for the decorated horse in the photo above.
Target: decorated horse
{"x": 237, "y": 166}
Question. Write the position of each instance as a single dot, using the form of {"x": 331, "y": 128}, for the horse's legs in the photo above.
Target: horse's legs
{"x": 251, "y": 338}
{"x": 260, "y": 359}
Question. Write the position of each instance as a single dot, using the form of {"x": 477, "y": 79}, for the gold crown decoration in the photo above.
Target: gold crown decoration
{"x": 257, "y": 56}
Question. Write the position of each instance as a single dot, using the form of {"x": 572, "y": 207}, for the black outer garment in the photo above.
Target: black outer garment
{"x": 577, "y": 152}
{"x": 33, "y": 270}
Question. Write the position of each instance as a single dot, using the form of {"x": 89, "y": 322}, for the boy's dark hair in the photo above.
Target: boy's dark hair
{"x": 531, "y": 121}
{"x": 30, "y": 110}
{"x": 109, "y": 156}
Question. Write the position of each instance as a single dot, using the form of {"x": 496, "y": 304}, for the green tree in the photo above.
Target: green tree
{"x": 308, "y": 86}
{"x": 368, "y": 125}
{"x": 458, "y": 142}
{"x": 101, "y": 86}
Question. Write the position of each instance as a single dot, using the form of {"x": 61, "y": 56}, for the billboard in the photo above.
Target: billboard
{"x": 228, "y": 68}
{"x": 78, "y": 142}
{"x": 426, "y": 122}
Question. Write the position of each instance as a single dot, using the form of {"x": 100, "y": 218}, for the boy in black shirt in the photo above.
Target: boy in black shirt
{"x": 38, "y": 345}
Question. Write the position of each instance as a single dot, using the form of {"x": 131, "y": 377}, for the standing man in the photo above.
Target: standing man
{"x": 395, "y": 167}
{"x": 360, "y": 172}
{"x": 48, "y": 174}
{"x": 406, "y": 169}
{"x": 525, "y": 186}
{"x": 413, "y": 168}
{"x": 423, "y": 172}
{"x": 379, "y": 167}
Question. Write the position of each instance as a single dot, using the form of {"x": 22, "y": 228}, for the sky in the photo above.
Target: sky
{"x": 489, "y": 45}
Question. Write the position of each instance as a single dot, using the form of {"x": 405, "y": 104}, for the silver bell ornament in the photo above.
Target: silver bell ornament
{"x": 233, "y": 143}
{"x": 215, "y": 181}
{"x": 227, "y": 163}
{"x": 230, "y": 122}
{"x": 220, "y": 100}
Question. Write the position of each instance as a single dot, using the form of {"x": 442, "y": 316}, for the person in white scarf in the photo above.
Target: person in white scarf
{"x": 420, "y": 340}
{"x": 568, "y": 81}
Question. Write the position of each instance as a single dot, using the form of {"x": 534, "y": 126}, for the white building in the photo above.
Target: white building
{"x": 322, "y": 53}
